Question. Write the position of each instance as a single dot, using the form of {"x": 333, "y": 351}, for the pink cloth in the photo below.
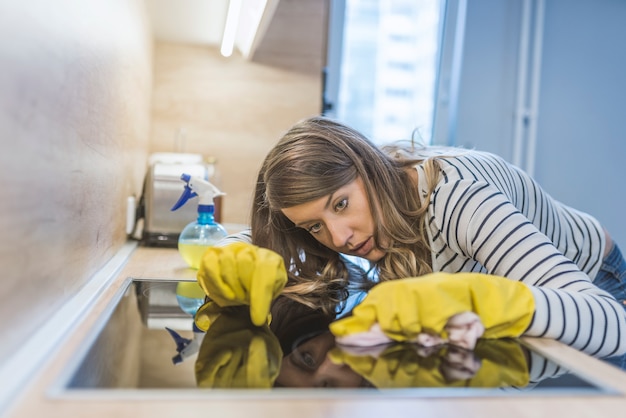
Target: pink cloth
{"x": 463, "y": 331}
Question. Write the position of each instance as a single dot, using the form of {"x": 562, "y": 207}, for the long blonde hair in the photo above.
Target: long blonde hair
{"x": 313, "y": 159}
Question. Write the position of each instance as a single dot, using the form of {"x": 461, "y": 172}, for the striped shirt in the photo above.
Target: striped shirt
{"x": 243, "y": 236}
{"x": 488, "y": 216}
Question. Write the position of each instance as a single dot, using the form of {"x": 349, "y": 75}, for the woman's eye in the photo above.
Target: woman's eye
{"x": 341, "y": 205}
{"x": 305, "y": 360}
{"x": 309, "y": 361}
{"x": 315, "y": 228}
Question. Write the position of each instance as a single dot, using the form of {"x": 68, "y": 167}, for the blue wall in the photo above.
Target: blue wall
{"x": 581, "y": 124}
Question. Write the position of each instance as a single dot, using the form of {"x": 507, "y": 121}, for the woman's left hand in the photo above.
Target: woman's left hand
{"x": 466, "y": 305}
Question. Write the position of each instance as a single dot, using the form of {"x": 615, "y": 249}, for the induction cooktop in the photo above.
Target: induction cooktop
{"x": 146, "y": 341}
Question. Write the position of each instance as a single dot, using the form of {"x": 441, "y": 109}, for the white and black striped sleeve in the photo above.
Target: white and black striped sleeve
{"x": 242, "y": 236}
{"x": 583, "y": 319}
{"x": 479, "y": 223}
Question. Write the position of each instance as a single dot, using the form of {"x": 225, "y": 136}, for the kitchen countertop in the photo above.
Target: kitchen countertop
{"x": 154, "y": 263}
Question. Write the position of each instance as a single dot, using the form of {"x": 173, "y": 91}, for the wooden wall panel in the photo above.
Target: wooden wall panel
{"x": 75, "y": 88}
{"x": 229, "y": 108}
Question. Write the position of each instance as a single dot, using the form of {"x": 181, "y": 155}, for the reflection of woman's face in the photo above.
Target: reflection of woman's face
{"x": 308, "y": 366}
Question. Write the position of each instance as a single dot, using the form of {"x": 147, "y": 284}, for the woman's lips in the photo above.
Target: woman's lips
{"x": 363, "y": 249}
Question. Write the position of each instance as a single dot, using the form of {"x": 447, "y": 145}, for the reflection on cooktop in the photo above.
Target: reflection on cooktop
{"x": 147, "y": 341}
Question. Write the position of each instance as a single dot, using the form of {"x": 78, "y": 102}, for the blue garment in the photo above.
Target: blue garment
{"x": 612, "y": 278}
{"x": 612, "y": 275}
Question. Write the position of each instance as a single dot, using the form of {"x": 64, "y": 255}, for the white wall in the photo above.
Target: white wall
{"x": 188, "y": 21}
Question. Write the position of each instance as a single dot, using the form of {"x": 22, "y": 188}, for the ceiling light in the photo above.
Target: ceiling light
{"x": 230, "y": 29}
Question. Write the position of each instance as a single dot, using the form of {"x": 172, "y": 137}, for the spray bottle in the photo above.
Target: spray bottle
{"x": 190, "y": 297}
{"x": 197, "y": 236}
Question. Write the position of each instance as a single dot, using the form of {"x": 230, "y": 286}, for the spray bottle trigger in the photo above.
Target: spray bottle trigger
{"x": 187, "y": 194}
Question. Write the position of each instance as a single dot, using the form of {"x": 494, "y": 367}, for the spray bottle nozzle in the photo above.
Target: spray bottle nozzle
{"x": 195, "y": 186}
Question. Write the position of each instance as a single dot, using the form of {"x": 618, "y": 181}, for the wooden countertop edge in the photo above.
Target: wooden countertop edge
{"x": 596, "y": 371}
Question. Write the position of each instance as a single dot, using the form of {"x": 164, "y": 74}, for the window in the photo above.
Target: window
{"x": 382, "y": 62}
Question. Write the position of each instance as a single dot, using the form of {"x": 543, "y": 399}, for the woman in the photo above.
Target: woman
{"x": 325, "y": 191}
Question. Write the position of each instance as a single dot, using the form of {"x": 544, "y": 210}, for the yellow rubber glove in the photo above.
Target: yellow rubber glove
{"x": 405, "y": 307}
{"x": 207, "y": 314}
{"x": 237, "y": 354}
{"x": 243, "y": 274}
{"x": 397, "y": 366}
{"x": 494, "y": 363}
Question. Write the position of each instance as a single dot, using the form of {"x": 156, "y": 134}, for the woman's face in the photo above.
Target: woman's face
{"x": 341, "y": 221}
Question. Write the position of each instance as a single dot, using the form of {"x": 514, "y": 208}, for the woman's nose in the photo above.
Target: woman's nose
{"x": 340, "y": 234}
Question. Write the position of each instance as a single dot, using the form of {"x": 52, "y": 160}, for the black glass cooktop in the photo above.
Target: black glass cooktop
{"x": 146, "y": 340}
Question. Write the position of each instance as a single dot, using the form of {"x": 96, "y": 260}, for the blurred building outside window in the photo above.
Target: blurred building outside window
{"x": 387, "y": 70}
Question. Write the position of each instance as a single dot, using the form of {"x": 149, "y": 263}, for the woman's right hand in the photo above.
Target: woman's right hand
{"x": 243, "y": 274}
